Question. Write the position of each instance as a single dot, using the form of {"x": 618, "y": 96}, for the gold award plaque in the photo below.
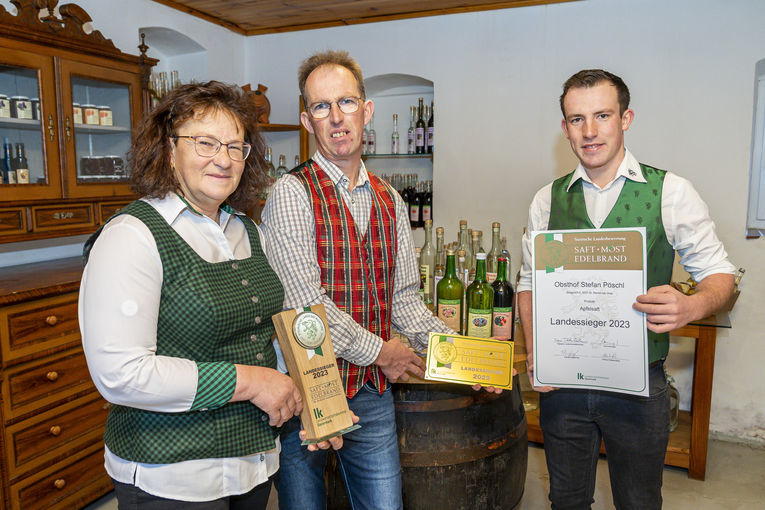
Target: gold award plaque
{"x": 305, "y": 342}
{"x": 469, "y": 360}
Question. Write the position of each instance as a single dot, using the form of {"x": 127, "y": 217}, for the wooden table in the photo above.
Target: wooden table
{"x": 688, "y": 443}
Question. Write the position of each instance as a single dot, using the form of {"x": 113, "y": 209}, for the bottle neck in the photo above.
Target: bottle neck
{"x": 439, "y": 243}
{"x": 501, "y": 271}
{"x": 428, "y": 234}
{"x": 495, "y": 242}
{"x": 451, "y": 270}
{"x": 480, "y": 270}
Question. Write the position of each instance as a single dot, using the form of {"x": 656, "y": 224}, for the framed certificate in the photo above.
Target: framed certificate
{"x": 586, "y": 333}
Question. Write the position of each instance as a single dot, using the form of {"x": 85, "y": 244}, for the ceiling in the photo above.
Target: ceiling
{"x": 254, "y": 17}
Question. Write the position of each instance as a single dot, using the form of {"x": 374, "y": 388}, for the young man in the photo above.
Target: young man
{"x": 603, "y": 192}
{"x": 340, "y": 236}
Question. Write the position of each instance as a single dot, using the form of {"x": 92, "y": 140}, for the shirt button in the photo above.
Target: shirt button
{"x": 255, "y": 299}
{"x": 254, "y": 338}
{"x": 264, "y": 417}
{"x": 234, "y": 266}
{"x": 259, "y": 356}
{"x": 245, "y": 282}
{"x": 257, "y": 320}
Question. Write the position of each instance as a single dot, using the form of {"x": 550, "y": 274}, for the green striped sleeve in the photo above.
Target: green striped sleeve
{"x": 215, "y": 384}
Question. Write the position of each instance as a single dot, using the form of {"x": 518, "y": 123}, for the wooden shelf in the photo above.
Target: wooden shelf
{"x": 20, "y": 123}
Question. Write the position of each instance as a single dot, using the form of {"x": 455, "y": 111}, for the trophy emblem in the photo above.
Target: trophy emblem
{"x": 309, "y": 330}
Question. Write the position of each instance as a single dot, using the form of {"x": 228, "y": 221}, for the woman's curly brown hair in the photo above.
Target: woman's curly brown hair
{"x": 149, "y": 158}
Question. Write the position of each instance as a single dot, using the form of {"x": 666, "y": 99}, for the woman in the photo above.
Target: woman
{"x": 175, "y": 311}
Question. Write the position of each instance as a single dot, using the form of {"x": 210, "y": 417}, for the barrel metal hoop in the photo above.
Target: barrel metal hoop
{"x": 463, "y": 455}
{"x": 446, "y": 404}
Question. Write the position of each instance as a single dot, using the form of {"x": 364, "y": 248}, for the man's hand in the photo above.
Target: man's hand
{"x": 396, "y": 359}
{"x": 530, "y": 372}
{"x": 270, "y": 390}
{"x": 335, "y": 442}
{"x": 667, "y": 308}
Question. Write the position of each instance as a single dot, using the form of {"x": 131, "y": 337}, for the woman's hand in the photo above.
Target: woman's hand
{"x": 270, "y": 390}
{"x": 335, "y": 442}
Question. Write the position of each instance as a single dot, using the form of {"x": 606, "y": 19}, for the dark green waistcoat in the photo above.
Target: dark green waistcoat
{"x": 215, "y": 314}
{"x": 638, "y": 205}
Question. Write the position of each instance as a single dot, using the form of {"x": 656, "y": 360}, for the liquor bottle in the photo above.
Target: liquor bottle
{"x": 462, "y": 268}
{"x": 464, "y": 244}
{"x": 475, "y": 246}
{"x": 270, "y": 164}
{"x": 414, "y": 205}
{"x": 410, "y": 132}
{"x": 440, "y": 268}
{"x": 502, "y": 315}
{"x": 419, "y": 131}
{"x": 430, "y": 130}
{"x": 428, "y": 264}
{"x": 479, "y": 298}
{"x": 21, "y": 165}
{"x": 372, "y": 137}
{"x": 282, "y": 168}
{"x": 426, "y": 205}
{"x": 506, "y": 254}
{"x": 394, "y": 136}
{"x": 405, "y": 192}
{"x": 494, "y": 253}
{"x": 425, "y": 117}
{"x": 450, "y": 296}
{"x": 9, "y": 173}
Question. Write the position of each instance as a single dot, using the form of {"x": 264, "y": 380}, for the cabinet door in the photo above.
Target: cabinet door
{"x": 28, "y": 127}
{"x": 97, "y": 143}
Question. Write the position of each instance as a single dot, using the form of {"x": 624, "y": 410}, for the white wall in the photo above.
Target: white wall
{"x": 497, "y": 77}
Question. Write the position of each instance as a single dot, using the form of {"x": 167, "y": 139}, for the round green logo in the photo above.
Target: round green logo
{"x": 309, "y": 330}
{"x": 554, "y": 253}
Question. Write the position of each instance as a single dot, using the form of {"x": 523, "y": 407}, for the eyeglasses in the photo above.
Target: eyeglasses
{"x": 321, "y": 109}
{"x": 207, "y": 147}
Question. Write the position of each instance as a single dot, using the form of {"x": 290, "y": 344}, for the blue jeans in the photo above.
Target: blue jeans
{"x": 368, "y": 460}
{"x": 634, "y": 429}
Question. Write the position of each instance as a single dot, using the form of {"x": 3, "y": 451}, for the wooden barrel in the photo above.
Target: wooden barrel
{"x": 459, "y": 449}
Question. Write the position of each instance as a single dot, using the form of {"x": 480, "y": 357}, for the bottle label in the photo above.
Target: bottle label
{"x": 430, "y": 136}
{"x": 479, "y": 323}
{"x": 425, "y": 278}
{"x": 410, "y": 143}
{"x": 22, "y": 176}
{"x": 502, "y": 322}
{"x": 419, "y": 137}
{"x": 414, "y": 213}
{"x": 11, "y": 177}
{"x": 394, "y": 146}
{"x": 426, "y": 215}
{"x": 490, "y": 277}
{"x": 449, "y": 312}
{"x": 436, "y": 279}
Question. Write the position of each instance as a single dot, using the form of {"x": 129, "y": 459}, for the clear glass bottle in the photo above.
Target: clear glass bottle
{"x": 494, "y": 252}
{"x": 428, "y": 264}
{"x": 410, "y": 132}
{"x": 394, "y": 136}
{"x": 451, "y": 301}
{"x": 372, "y": 137}
{"x": 502, "y": 313}
{"x": 440, "y": 268}
{"x": 464, "y": 243}
{"x": 270, "y": 163}
{"x": 282, "y": 168}
{"x": 479, "y": 299}
{"x": 475, "y": 246}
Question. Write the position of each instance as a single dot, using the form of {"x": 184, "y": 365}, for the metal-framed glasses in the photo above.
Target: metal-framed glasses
{"x": 207, "y": 147}
{"x": 321, "y": 109}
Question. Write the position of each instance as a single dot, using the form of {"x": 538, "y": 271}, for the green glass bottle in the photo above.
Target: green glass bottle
{"x": 479, "y": 298}
{"x": 450, "y": 296}
{"x": 502, "y": 314}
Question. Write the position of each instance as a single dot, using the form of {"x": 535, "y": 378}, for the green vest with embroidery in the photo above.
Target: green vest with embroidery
{"x": 215, "y": 314}
{"x": 638, "y": 205}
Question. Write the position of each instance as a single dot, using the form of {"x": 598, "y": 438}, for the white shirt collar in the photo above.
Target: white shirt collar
{"x": 171, "y": 207}
{"x": 336, "y": 175}
{"x": 629, "y": 169}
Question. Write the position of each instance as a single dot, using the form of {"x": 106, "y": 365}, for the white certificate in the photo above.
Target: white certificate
{"x": 586, "y": 333}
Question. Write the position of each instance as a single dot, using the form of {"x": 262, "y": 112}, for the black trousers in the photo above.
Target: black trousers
{"x": 130, "y": 497}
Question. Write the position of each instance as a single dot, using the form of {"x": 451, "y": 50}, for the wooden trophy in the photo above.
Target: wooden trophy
{"x": 307, "y": 348}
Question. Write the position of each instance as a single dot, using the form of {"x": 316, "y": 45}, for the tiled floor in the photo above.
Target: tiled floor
{"x": 735, "y": 481}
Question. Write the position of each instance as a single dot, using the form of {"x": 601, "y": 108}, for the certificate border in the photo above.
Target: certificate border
{"x": 537, "y": 233}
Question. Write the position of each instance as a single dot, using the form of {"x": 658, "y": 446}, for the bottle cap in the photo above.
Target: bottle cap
{"x": 428, "y": 222}
{"x": 495, "y": 224}
{"x": 480, "y": 256}
{"x": 449, "y": 251}
{"x": 440, "y": 230}
{"x": 463, "y": 222}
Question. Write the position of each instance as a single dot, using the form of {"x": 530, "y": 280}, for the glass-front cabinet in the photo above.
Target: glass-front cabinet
{"x": 28, "y": 127}
{"x": 69, "y": 101}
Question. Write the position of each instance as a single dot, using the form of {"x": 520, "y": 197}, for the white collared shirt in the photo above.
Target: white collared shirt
{"x": 118, "y": 309}
{"x": 685, "y": 216}
{"x": 288, "y": 221}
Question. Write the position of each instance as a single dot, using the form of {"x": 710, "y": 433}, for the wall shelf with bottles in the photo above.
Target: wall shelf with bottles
{"x": 20, "y": 123}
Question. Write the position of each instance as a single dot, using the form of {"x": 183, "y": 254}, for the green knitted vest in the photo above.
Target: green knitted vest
{"x": 638, "y": 205}
{"x": 216, "y": 314}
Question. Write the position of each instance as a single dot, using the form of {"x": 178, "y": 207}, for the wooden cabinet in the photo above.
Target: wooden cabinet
{"x": 74, "y": 99}
{"x": 51, "y": 416}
